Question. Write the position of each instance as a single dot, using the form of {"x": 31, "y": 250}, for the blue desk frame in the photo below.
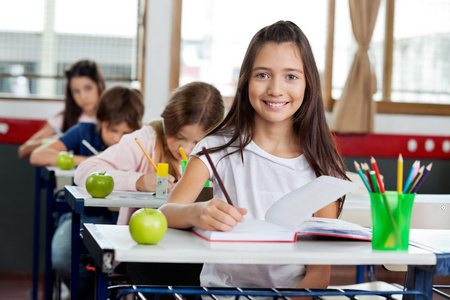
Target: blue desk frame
{"x": 77, "y": 204}
{"x": 45, "y": 180}
{"x": 420, "y": 278}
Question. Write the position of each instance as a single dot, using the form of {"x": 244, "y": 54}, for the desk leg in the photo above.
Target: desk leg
{"x": 101, "y": 284}
{"x": 49, "y": 225}
{"x": 420, "y": 278}
{"x": 36, "y": 233}
{"x": 75, "y": 263}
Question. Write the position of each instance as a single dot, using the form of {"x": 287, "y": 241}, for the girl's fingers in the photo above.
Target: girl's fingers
{"x": 219, "y": 215}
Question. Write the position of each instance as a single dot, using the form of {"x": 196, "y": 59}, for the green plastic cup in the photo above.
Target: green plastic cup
{"x": 183, "y": 166}
{"x": 391, "y": 219}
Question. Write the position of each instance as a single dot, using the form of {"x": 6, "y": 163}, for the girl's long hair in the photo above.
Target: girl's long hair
{"x": 309, "y": 125}
{"x": 87, "y": 68}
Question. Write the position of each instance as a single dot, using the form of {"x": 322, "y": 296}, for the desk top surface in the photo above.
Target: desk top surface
{"x": 115, "y": 199}
{"x": 184, "y": 246}
{"x": 61, "y": 173}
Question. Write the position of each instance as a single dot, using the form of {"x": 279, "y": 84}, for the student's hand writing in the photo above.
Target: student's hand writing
{"x": 147, "y": 183}
{"x": 216, "y": 214}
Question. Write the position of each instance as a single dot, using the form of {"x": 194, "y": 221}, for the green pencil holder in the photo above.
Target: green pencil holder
{"x": 183, "y": 166}
{"x": 391, "y": 219}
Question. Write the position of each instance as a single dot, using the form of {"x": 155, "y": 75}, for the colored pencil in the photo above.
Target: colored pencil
{"x": 400, "y": 174}
{"x": 373, "y": 176}
{"x": 414, "y": 167}
{"x": 377, "y": 173}
{"x": 424, "y": 174}
{"x": 366, "y": 168}
{"x": 89, "y": 146}
{"x": 363, "y": 177}
{"x": 416, "y": 179}
{"x": 217, "y": 176}
{"x": 183, "y": 155}
{"x": 145, "y": 152}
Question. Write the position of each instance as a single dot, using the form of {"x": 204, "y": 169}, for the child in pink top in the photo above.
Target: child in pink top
{"x": 192, "y": 110}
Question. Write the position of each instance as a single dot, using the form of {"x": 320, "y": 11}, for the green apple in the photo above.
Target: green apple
{"x": 65, "y": 160}
{"x": 99, "y": 185}
{"x": 147, "y": 226}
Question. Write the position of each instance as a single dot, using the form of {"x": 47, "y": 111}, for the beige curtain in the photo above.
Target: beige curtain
{"x": 354, "y": 111}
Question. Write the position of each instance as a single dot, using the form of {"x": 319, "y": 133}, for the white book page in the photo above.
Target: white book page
{"x": 250, "y": 230}
{"x": 293, "y": 208}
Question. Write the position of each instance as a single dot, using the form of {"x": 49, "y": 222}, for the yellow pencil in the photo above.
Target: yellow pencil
{"x": 145, "y": 152}
{"x": 400, "y": 174}
{"x": 183, "y": 155}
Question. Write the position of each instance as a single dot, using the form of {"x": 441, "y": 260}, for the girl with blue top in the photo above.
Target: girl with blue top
{"x": 273, "y": 140}
{"x": 120, "y": 111}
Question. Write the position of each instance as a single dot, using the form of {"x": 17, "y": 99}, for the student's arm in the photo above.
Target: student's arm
{"x": 35, "y": 140}
{"x": 181, "y": 211}
{"x": 122, "y": 161}
{"x": 47, "y": 155}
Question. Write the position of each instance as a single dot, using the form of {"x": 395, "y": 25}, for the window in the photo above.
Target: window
{"x": 215, "y": 35}
{"x": 42, "y": 37}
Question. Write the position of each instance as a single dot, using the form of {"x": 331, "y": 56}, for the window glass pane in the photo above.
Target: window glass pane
{"x": 345, "y": 48}
{"x": 421, "y": 64}
{"x": 216, "y": 33}
{"x": 33, "y": 55}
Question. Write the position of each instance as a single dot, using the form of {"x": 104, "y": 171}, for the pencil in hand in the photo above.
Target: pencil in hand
{"x": 217, "y": 176}
{"x": 145, "y": 152}
{"x": 89, "y": 146}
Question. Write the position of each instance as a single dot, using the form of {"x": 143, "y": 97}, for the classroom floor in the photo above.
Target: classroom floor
{"x": 17, "y": 286}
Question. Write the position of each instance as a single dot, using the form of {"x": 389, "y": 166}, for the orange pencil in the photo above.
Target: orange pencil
{"x": 377, "y": 173}
{"x": 145, "y": 152}
{"x": 416, "y": 180}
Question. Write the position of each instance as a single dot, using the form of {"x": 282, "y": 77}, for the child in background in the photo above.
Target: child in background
{"x": 85, "y": 83}
{"x": 273, "y": 140}
{"x": 191, "y": 111}
{"x": 120, "y": 111}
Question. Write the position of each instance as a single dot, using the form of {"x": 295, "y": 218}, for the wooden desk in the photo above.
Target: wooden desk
{"x": 78, "y": 198}
{"x": 47, "y": 178}
{"x": 107, "y": 243}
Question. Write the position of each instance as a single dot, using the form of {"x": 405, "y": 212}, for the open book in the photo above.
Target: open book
{"x": 283, "y": 220}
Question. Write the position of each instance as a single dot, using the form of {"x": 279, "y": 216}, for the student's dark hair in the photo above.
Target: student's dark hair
{"x": 119, "y": 104}
{"x": 87, "y": 68}
{"x": 310, "y": 123}
{"x": 195, "y": 103}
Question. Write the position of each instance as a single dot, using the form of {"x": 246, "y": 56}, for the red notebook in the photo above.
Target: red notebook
{"x": 291, "y": 215}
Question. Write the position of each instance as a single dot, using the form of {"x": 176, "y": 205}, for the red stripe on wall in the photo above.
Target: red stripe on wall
{"x": 385, "y": 145}
{"x": 17, "y": 131}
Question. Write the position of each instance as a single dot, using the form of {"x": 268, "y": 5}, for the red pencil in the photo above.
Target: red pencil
{"x": 377, "y": 173}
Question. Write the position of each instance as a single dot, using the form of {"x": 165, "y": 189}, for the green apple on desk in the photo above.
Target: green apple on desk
{"x": 65, "y": 160}
{"x": 99, "y": 185}
{"x": 147, "y": 226}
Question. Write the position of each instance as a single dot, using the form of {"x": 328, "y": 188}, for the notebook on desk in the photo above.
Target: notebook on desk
{"x": 284, "y": 218}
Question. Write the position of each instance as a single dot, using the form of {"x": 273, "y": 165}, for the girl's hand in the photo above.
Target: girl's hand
{"x": 147, "y": 183}
{"x": 216, "y": 214}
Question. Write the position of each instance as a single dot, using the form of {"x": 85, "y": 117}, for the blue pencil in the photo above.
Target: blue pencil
{"x": 359, "y": 171}
{"x": 410, "y": 176}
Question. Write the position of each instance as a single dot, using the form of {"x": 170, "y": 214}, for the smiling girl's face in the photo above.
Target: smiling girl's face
{"x": 277, "y": 83}
{"x": 85, "y": 93}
